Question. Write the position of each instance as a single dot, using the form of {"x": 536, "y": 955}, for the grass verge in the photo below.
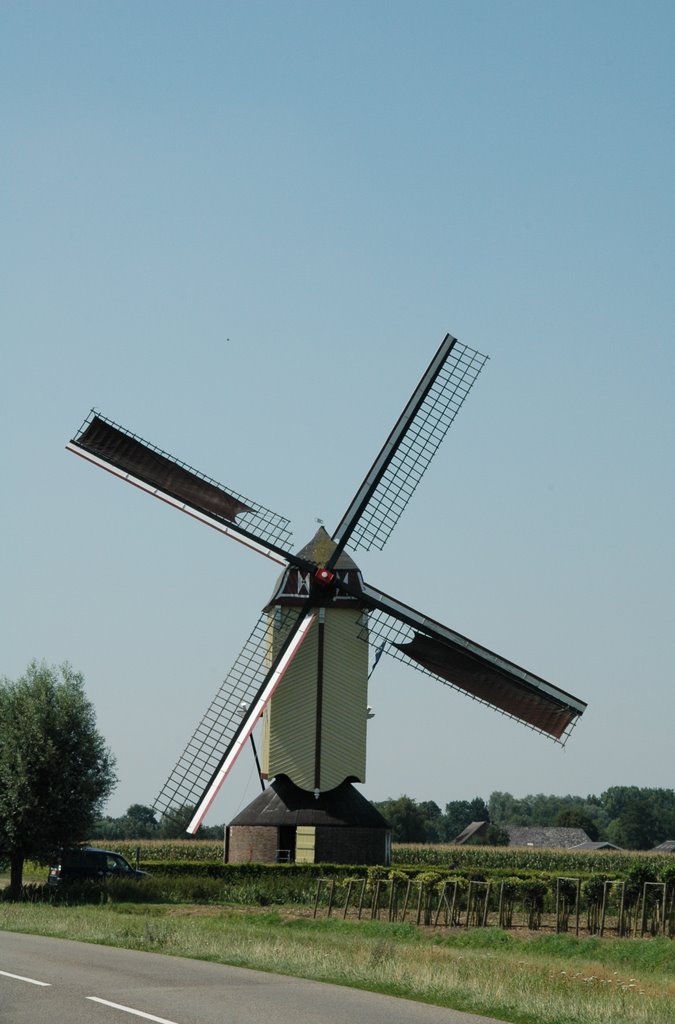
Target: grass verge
{"x": 555, "y": 979}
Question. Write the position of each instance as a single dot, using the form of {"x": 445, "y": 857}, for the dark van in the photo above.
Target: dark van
{"x": 88, "y": 862}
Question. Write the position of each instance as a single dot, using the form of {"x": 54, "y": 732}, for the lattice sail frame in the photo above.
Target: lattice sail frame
{"x": 416, "y": 437}
{"x": 387, "y": 634}
{"x": 230, "y": 718}
{"x": 180, "y": 485}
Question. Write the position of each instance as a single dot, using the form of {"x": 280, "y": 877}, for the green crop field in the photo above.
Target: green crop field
{"x": 509, "y": 859}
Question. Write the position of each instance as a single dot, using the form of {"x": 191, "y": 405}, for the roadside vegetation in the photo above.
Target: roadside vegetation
{"x": 267, "y": 917}
{"x": 551, "y": 979}
{"x": 593, "y": 893}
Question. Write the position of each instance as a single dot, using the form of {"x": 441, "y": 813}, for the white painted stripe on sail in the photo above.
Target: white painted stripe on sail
{"x": 249, "y": 722}
{"x": 175, "y": 503}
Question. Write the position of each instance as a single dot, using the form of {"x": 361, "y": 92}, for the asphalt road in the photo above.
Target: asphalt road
{"x": 55, "y": 981}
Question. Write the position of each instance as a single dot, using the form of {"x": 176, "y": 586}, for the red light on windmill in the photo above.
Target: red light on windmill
{"x": 323, "y": 577}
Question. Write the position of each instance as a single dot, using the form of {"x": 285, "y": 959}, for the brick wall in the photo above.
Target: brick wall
{"x": 351, "y": 845}
{"x": 337, "y": 845}
{"x": 257, "y": 843}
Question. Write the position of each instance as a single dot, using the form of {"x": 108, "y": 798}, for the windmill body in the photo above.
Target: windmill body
{"x": 315, "y": 724}
{"x": 304, "y": 666}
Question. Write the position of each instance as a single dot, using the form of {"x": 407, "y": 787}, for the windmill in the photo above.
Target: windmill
{"x": 304, "y": 667}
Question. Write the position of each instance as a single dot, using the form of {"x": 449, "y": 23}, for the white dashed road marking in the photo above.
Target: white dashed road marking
{"x": 129, "y": 1009}
{"x": 31, "y": 981}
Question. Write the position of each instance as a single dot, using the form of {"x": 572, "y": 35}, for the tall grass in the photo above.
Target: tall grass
{"x": 546, "y": 980}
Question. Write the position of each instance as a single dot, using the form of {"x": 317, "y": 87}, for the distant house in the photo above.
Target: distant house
{"x": 535, "y": 835}
{"x": 476, "y": 832}
{"x": 595, "y": 846}
{"x": 667, "y": 847}
{"x": 545, "y": 836}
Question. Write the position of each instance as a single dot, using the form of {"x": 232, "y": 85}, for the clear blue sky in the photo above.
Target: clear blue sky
{"x": 241, "y": 230}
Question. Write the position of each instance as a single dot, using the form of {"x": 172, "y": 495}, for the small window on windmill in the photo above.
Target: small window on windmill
{"x": 297, "y": 583}
{"x": 342, "y": 595}
{"x": 303, "y": 583}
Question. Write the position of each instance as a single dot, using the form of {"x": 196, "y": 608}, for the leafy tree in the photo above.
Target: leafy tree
{"x": 636, "y": 827}
{"x": 407, "y": 819}
{"x": 576, "y": 817}
{"x": 506, "y": 810}
{"x": 640, "y": 817}
{"x": 616, "y": 799}
{"x": 479, "y": 809}
{"x": 55, "y": 769}
{"x": 497, "y": 836}
{"x": 457, "y": 816}
{"x": 544, "y": 809}
{"x": 140, "y": 822}
{"x": 433, "y": 821}
{"x": 107, "y": 828}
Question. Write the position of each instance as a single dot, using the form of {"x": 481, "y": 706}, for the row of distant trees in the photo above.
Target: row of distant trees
{"x": 632, "y": 817}
{"x": 141, "y": 822}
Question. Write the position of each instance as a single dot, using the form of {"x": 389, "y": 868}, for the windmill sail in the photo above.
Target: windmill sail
{"x": 467, "y": 666}
{"x": 218, "y": 739}
{"x": 392, "y": 479}
{"x": 128, "y": 456}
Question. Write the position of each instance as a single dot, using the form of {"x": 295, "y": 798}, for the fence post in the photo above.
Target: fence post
{"x": 319, "y": 883}
{"x": 374, "y": 910}
{"x": 330, "y": 896}
{"x": 405, "y": 901}
{"x": 349, "y": 892}
{"x": 487, "y": 904}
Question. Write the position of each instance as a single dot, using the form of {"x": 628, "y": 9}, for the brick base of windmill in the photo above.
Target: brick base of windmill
{"x": 285, "y": 823}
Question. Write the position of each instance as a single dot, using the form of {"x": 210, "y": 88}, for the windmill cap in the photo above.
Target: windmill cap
{"x": 320, "y": 549}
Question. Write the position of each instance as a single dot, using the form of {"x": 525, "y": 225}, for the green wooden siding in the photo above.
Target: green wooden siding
{"x": 289, "y": 735}
{"x": 345, "y": 696}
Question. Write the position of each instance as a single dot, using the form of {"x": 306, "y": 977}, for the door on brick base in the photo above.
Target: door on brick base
{"x": 305, "y": 844}
{"x": 286, "y": 844}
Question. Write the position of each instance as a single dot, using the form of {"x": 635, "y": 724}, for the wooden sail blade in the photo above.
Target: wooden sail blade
{"x": 392, "y": 479}
{"x": 127, "y": 456}
{"x": 229, "y": 720}
{"x": 470, "y": 668}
